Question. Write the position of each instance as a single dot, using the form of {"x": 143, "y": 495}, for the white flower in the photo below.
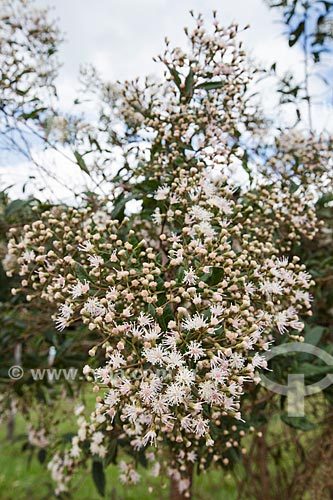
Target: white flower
{"x": 186, "y": 423}
{"x": 177, "y": 256}
{"x": 86, "y": 246}
{"x": 79, "y": 289}
{"x": 147, "y": 392}
{"x": 157, "y": 217}
{"x": 131, "y": 412}
{"x": 200, "y": 213}
{"x": 249, "y": 288}
{"x": 200, "y": 426}
{"x": 185, "y": 376}
{"x": 235, "y": 389}
{"x": 162, "y": 193}
{"x": 304, "y": 278}
{"x": 59, "y": 282}
{"x": 160, "y": 406}
{"x": 145, "y": 319}
{"x": 95, "y": 261}
{"x": 192, "y": 456}
{"x": 219, "y": 360}
{"x": 29, "y": 256}
{"x": 281, "y": 262}
{"x": 282, "y": 321}
{"x": 173, "y": 199}
{"x": 98, "y": 437}
{"x": 217, "y": 310}
{"x": 152, "y": 332}
{"x": 66, "y": 311}
{"x": 259, "y": 361}
{"x": 97, "y": 449}
{"x": 112, "y": 294}
{"x": 271, "y": 287}
{"x": 94, "y": 307}
{"x": 174, "y": 238}
{"x": 124, "y": 386}
{"x": 127, "y": 312}
{"x": 221, "y": 203}
{"x": 154, "y": 355}
{"x": 194, "y": 323}
{"x": 219, "y": 374}
{"x": 150, "y": 438}
{"x": 236, "y": 361}
{"x": 300, "y": 295}
{"x": 100, "y": 218}
{"x": 112, "y": 398}
{"x": 61, "y": 323}
{"x": 206, "y": 229}
{"x": 116, "y": 360}
{"x": 114, "y": 257}
{"x": 197, "y": 299}
{"x": 173, "y": 359}
{"x": 296, "y": 325}
{"x": 170, "y": 340}
{"x": 190, "y": 278}
{"x": 75, "y": 451}
{"x": 195, "y": 350}
{"x": 103, "y": 374}
{"x": 210, "y": 393}
{"x": 175, "y": 394}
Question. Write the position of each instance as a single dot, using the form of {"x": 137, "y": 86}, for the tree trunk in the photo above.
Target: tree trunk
{"x": 175, "y": 494}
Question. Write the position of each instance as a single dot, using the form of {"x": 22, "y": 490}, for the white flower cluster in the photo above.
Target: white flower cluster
{"x": 181, "y": 335}
{"x": 186, "y": 299}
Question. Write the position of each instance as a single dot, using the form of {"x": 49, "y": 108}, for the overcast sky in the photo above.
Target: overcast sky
{"x": 120, "y": 37}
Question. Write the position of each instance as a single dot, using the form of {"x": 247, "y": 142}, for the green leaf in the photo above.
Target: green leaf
{"x": 313, "y": 335}
{"x": 175, "y": 75}
{"x": 246, "y": 167}
{"x": 301, "y": 423}
{"x": 112, "y": 452}
{"x": 33, "y": 115}
{"x": 216, "y": 276}
{"x": 42, "y": 455}
{"x": 99, "y": 477}
{"x": 189, "y": 84}
{"x": 294, "y": 36}
{"x": 81, "y": 272}
{"x": 119, "y": 207}
{"x": 81, "y": 162}
{"x": 210, "y": 85}
{"x": 94, "y": 142}
{"x": 310, "y": 370}
{"x": 118, "y": 211}
{"x": 293, "y": 187}
{"x": 15, "y": 206}
{"x": 67, "y": 437}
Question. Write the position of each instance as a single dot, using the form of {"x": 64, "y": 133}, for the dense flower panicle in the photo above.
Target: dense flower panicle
{"x": 171, "y": 357}
{"x": 187, "y": 298}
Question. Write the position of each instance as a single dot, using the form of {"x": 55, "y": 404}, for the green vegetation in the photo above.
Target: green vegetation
{"x": 22, "y": 477}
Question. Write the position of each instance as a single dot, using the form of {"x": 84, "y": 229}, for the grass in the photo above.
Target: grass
{"x": 22, "y": 478}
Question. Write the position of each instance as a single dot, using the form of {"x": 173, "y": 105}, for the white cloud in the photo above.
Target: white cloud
{"x": 56, "y": 178}
{"x": 121, "y": 37}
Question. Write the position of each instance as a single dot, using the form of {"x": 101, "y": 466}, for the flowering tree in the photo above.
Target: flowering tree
{"x": 187, "y": 291}
{"x": 30, "y": 117}
{"x": 29, "y": 44}
{"x": 284, "y": 460}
